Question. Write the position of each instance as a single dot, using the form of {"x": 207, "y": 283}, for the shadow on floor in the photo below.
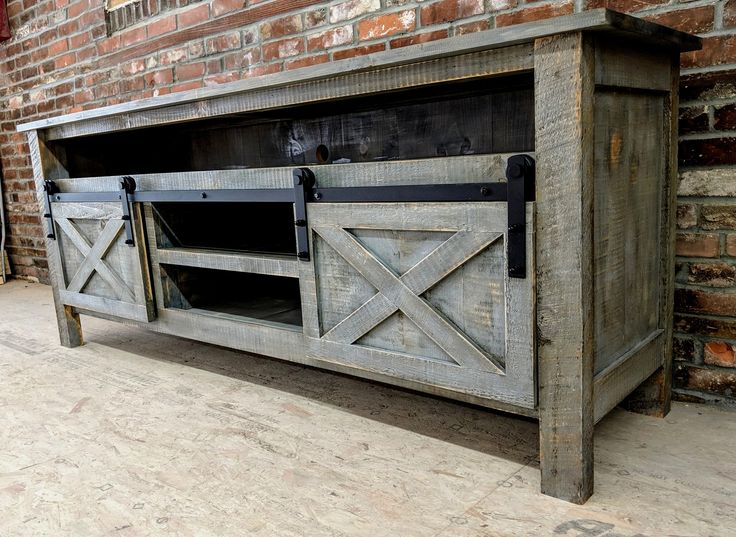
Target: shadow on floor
{"x": 498, "y": 434}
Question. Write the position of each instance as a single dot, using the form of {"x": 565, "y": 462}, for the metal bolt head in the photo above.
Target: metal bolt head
{"x": 515, "y": 171}
{"x": 484, "y": 191}
{"x": 318, "y": 196}
{"x": 204, "y": 195}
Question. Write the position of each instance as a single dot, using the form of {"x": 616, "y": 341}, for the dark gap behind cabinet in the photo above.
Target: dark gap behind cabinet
{"x": 493, "y": 115}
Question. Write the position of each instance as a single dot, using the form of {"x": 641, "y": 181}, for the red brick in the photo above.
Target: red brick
{"x": 419, "y": 38}
{"x": 55, "y": 48}
{"x": 712, "y": 274}
{"x": 281, "y": 27}
{"x": 471, "y": 27}
{"x": 719, "y": 353}
{"x": 283, "y": 49}
{"x": 160, "y": 77}
{"x": 64, "y": 61}
{"x": 79, "y": 40}
{"x": 687, "y": 216}
{"x": 358, "y": 51}
{"x": 261, "y": 70}
{"x": 174, "y": 55}
{"x": 716, "y": 50}
{"x": 186, "y": 86}
{"x": 626, "y": 6}
{"x": 693, "y": 119}
{"x": 693, "y": 20}
{"x": 220, "y": 7}
{"x": 307, "y": 61}
{"x": 108, "y": 45}
{"x": 161, "y": 26}
{"x": 77, "y": 8}
{"x": 387, "y": 25}
{"x": 449, "y": 10}
{"x": 315, "y": 18}
{"x": 706, "y": 326}
{"x": 193, "y": 16}
{"x": 700, "y": 302}
{"x": 241, "y": 59}
{"x": 342, "y": 35}
{"x": 729, "y": 14}
{"x": 223, "y": 42}
{"x": 534, "y": 14}
{"x": 189, "y": 70}
{"x": 731, "y": 244}
{"x": 352, "y": 9}
{"x": 718, "y": 217}
{"x": 709, "y": 380}
{"x": 707, "y": 152}
{"x": 130, "y": 37}
{"x": 725, "y": 117}
{"x": 697, "y": 245}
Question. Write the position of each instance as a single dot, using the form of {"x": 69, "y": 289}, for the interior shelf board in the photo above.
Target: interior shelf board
{"x": 255, "y": 263}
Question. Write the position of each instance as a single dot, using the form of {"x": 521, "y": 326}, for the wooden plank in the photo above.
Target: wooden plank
{"x": 434, "y": 267}
{"x": 629, "y": 173}
{"x": 618, "y": 380}
{"x": 654, "y": 397}
{"x": 275, "y": 265}
{"x": 631, "y": 66}
{"x": 460, "y": 169}
{"x": 341, "y": 84}
{"x": 564, "y": 118}
{"x": 435, "y": 326}
{"x": 115, "y": 308}
{"x": 45, "y": 165}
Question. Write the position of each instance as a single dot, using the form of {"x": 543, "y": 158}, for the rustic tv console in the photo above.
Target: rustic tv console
{"x": 488, "y": 218}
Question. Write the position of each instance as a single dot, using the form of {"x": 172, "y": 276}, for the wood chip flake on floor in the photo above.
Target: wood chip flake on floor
{"x": 138, "y": 434}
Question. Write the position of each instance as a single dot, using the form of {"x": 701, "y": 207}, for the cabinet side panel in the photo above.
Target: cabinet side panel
{"x": 629, "y": 172}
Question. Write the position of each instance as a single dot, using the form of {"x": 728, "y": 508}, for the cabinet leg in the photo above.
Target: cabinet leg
{"x": 70, "y": 326}
{"x": 566, "y": 458}
{"x": 653, "y": 397}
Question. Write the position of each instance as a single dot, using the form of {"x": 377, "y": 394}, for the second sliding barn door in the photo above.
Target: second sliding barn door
{"x": 421, "y": 291}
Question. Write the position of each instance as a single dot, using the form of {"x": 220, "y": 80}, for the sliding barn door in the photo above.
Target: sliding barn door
{"x": 421, "y": 291}
{"x": 100, "y": 272}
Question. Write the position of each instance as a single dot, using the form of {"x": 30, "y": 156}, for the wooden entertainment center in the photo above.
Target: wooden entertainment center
{"x": 488, "y": 218}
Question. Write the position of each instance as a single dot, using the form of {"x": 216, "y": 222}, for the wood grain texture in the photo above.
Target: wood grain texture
{"x": 631, "y": 66}
{"x": 46, "y": 166}
{"x": 565, "y": 316}
{"x": 377, "y": 364}
{"x": 277, "y": 265}
{"x": 95, "y": 262}
{"x": 619, "y": 379}
{"x": 295, "y": 88}
{"x": 380, "y": 272}
{"x": 654, "y": 397}
{"x": 629, "y": 176}
{"x": 442, "y": 170}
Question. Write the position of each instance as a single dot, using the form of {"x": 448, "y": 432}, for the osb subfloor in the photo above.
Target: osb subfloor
{"x": 143, "y": 434}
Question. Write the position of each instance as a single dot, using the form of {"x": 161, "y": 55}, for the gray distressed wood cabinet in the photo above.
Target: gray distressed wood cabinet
{"x": 487, "y": 218}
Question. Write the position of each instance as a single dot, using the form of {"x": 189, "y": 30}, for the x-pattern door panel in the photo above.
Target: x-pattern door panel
{"x": 420, "y": 290}
{"x": 100, "y": 272}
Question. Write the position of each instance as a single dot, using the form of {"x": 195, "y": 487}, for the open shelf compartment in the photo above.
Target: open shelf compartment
{"x": 254, "y": 228}
{"x": 237, "y": 295}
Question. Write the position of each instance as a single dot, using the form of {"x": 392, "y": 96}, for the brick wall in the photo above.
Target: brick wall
{"x": 62, "y": 59}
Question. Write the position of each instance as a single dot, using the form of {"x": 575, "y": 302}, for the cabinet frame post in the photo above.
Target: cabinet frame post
{"x": 47, "y": 167}
{"x": 564, "y": 82}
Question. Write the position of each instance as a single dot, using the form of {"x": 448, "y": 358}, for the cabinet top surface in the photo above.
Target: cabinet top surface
{"x": 601, "y": 21}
